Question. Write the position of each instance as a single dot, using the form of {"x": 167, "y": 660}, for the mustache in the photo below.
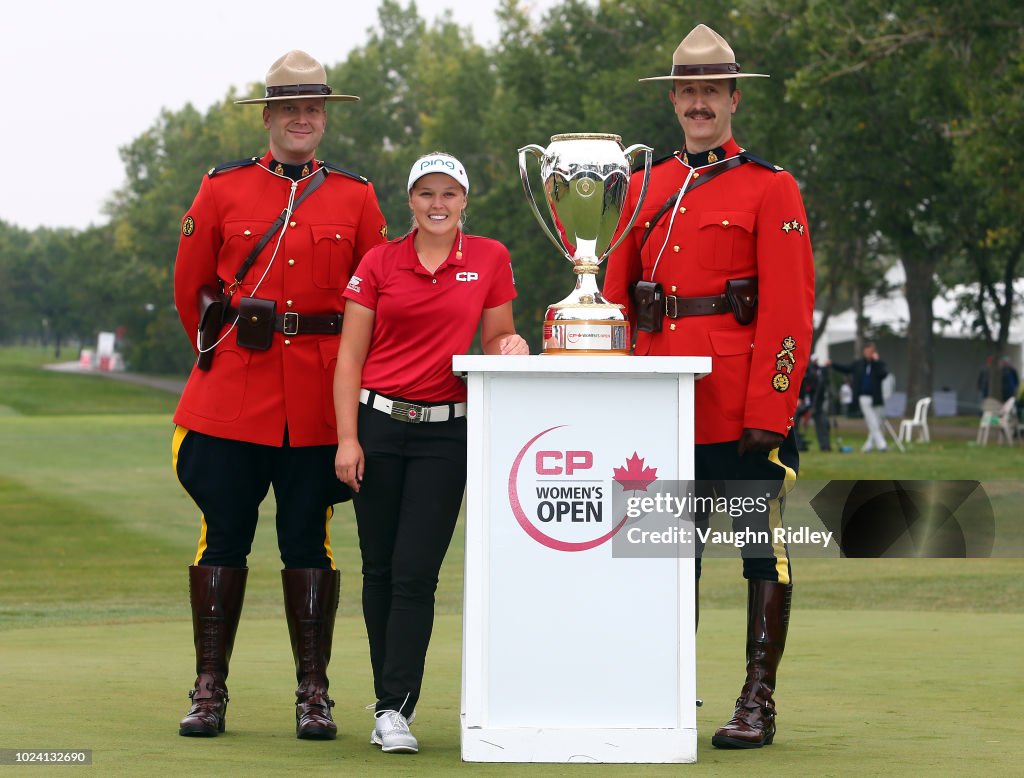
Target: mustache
{"x": 700, "y": 113}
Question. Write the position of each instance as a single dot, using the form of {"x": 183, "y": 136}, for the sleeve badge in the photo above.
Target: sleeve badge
{"x": 188, "y": 226}
{"x": 785, "y": 361}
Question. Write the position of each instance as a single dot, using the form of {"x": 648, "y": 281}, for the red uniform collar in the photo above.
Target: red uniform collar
{"x": 270, "y": 163}
{"x": 730, "y": 149}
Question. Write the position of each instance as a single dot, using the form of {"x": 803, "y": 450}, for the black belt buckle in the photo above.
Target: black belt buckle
{"x": 672, "y": 306}
{"x": 290, "y": 325}
{"x": 409, "y": 412}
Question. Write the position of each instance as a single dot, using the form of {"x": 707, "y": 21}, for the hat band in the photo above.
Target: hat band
{"x": 299, "y": 90}
{"x": 705, "y": 70}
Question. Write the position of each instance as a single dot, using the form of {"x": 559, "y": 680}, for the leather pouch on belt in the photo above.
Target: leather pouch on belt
{"x": 742, "y": 296}
{"x": 256, "y": 323}
{"x": 212, "y": 305}
{"x": 649, "y": 304}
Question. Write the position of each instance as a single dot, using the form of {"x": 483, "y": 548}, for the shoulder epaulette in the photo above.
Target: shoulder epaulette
{"x": 232, "y": 165}
{"x": 640, "y": 165}
{"x": 349, "y": 173}
{"x": 762, "y": 162}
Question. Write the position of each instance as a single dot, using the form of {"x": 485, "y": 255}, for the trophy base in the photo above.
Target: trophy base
{"x": 586, "y": 336}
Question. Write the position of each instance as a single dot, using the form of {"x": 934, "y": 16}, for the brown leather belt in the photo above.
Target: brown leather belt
{"x": 678, "y": 307}
{"x": 292, "y": 323}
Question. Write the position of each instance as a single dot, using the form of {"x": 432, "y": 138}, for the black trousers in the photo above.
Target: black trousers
{"x": 721, "y": 472}
{"x": 406, "y": 510}
{"x": 229, "y": 479}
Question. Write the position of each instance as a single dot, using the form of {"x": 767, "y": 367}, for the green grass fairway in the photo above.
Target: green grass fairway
{"x": 894, "y": 667}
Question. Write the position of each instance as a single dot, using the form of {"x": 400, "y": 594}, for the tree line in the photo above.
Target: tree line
{"x": 901, "y": 120}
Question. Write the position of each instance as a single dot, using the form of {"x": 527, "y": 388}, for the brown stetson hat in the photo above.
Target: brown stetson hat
{"x": 704, "y": 55}
{"x": 294, "y": 76}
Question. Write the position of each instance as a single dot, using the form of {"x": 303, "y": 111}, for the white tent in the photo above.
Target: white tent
{"x": 959, "y": 354}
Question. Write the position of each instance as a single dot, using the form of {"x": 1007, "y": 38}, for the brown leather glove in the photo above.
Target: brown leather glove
{"x": 753, "y": 440}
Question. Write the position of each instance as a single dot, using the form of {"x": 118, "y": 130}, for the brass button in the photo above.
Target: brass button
{"x": 287, "y": 342}
{"x": 675, "y": 249}
{"x": 291, "y": 261}
{"x": 288, "y": 303}
{"x": 247, "y": 232}
{"x": 337, "y": 236}
{"x": 725, "y": 222}
{"x": 672, "y": 326}
{"x": 291, "y": 224}
{"x": 696, "y": 175}
{"x": 674, "y": 288}
{"x": 254, "y": 319}
{"x": 647, "y": 224}
{"x": 433, "y": 280}
{"x": 682, "y": 209}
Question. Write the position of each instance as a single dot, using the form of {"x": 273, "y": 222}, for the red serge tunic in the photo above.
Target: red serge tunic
{"x": 749, "y": 221}
{"x": 422, "y": 320}
{"x": 251, "y": 395}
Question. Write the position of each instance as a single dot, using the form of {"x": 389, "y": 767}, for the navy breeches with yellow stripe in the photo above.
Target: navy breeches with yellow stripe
{"x": 721, "y": 472}
{"x": 228, "y": 479}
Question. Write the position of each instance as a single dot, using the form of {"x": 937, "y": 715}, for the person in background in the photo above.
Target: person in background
{"x": 413, "y": 304}
{"x": 867, "y": 374}
{"x": 272, "y": 239}
{"x": 820, "y": 403}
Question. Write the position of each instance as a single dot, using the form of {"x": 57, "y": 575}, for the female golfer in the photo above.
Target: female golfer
{"x": 411, "y": 305}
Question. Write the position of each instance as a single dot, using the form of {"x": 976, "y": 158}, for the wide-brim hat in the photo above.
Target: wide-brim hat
{"x": 704, "y": 55}
{"x": 295, "y": 76}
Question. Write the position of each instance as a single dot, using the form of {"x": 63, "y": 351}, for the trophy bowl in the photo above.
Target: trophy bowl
{"x": 585, "y": 178}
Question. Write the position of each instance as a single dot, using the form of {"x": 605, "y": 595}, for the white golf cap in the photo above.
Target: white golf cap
{"x": 438, "y": 163}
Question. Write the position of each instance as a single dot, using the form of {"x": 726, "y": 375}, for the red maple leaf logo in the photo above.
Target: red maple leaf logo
{"x": 635, "y": 476}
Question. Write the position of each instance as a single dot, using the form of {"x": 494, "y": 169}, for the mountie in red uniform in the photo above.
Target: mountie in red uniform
{"x": 252, "y": 395}
{"x": 739, "y": 218}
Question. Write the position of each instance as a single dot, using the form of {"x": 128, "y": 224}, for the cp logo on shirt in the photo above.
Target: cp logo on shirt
{"x": 466, "y": 275}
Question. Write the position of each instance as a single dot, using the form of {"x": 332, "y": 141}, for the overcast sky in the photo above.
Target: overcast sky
{"x": 85, "y": 78}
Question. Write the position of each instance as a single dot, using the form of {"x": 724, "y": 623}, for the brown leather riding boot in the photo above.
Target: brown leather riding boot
{"x": 753, "y": 723}
{"x": 311, "y": 603}
{"x": 216, "y": 594}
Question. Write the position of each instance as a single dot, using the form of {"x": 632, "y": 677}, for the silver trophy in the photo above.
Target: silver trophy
{"x": 585, "y": 178}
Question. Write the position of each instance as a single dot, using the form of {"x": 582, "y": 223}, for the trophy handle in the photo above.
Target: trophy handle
{"x": 538, "y": 152}
{"x": 630, "y": 153}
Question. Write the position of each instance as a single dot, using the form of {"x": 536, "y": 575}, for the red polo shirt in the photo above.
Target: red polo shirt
{"x": 422, "y": 320}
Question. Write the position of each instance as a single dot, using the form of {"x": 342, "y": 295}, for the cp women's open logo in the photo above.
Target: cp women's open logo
{"x": 557, "y": 493}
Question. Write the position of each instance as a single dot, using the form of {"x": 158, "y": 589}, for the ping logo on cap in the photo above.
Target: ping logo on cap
{"x": 438, "y": 163}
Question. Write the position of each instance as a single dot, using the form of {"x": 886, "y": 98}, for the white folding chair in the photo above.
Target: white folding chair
{"x": 919, "y": 422}
{"x": 996, "y": 414}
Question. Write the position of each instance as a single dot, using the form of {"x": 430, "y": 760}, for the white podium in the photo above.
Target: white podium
{"x": 573, "y": 651}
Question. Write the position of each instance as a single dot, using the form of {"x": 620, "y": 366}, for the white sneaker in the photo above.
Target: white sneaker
{"x": 391, "y": 733}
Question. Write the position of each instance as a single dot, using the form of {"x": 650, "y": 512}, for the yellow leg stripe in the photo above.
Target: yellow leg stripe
{"x": 327, "y": 536}
{"x": 775, "y": 518}
{"x": 176, "y": 441}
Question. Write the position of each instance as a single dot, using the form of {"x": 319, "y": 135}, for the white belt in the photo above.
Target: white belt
{"x": 411, "y": 412}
